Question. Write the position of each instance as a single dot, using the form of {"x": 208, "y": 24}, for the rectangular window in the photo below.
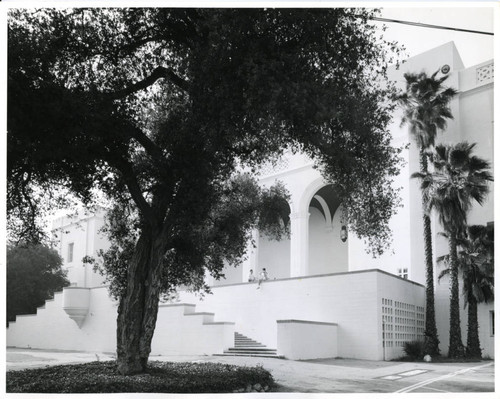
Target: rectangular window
{"x": 403, "y": 273}
{"x": 492, "y": 323}
{"x": 70, "y": 252}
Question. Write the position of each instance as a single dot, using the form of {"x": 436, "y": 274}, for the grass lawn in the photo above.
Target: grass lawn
{"x": 161, "y": 377}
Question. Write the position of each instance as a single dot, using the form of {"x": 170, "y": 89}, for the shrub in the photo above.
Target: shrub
{"x": 161, "y": 377}
{"x": 414, "y": 349}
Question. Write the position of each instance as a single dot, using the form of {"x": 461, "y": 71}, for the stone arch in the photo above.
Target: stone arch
{"x": 308, "y": 194}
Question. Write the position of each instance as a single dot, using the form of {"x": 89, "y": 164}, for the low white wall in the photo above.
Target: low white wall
{"x": 182, "y": 331}
{"x": 352, "y": 300}
{"x": 52, "y": 328}
{"x": 179, "y": 330}
{"x": 302, "y": 339}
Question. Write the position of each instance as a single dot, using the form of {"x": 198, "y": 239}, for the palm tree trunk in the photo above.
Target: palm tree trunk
{"x": 431, "y": 342}
{"x": 456, "y": 348}
{"x": 138, "y": 308}
{"x": 473, "y": 349}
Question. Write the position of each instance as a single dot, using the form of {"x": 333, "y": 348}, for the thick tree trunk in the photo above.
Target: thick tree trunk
{"x": 473, "y": 349}
{"x": 431, "y": 342}
{"x": 138, "y": 308}
{"x": 456, "y": 348}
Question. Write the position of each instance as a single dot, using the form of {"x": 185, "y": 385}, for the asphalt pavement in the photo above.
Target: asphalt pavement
{"x": 315, "y": 376}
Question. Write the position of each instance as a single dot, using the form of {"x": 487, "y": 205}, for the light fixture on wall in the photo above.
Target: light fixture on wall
{"x": 445, "y": 69}
{"x": 343, "y": 233}
{"x": 343, "y": 229}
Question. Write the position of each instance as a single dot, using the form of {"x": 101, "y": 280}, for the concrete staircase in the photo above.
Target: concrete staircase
{"x": 244, "y": 346}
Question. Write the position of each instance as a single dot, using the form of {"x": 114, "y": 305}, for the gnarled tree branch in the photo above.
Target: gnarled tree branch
{"x": 128, "y": 175}
{"x": 158, "y": 73}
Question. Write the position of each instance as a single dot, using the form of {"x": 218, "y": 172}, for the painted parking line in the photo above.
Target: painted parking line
{"x": 391, "y": 377}
{"x": 408, "y": 373}
{"x": 443, "y": 377}
{"x": 413, "y": 372}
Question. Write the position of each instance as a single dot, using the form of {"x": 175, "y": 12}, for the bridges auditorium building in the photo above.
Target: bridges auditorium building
{"x": 325, "y": 297}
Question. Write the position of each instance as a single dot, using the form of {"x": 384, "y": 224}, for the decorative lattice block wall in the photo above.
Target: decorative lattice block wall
{"x": 401, "y": 322}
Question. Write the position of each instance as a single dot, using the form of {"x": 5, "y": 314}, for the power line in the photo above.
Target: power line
{"x": 419, "y": 24}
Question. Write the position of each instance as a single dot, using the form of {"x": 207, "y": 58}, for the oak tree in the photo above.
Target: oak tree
{"x": 159, "y": 108}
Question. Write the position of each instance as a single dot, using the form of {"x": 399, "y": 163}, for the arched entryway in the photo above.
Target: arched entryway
{"x": 327, "y": 252}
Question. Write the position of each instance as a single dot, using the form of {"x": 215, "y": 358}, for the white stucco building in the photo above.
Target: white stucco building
{"x": 326, "y": 297}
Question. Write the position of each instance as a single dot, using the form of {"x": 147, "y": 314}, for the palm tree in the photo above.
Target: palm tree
{"x": 478, "y": 278}
{"x": 458, "y": 179}
{"x": 426, "y": 110}
{"x": 477, "y": 266}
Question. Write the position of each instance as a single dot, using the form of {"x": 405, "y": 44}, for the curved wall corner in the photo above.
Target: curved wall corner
{"x": 76, "y": 303}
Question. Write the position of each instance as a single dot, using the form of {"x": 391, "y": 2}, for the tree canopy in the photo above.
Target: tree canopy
{"x": 33, "y": 275}
{"x": 140, "y": 98}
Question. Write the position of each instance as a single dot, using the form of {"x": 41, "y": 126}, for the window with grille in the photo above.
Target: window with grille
{"x": 403, "y": 273}
{"x": 70, "y": 252}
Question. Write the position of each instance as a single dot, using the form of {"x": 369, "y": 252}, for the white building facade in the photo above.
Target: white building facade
{"x": 326, "y": 296}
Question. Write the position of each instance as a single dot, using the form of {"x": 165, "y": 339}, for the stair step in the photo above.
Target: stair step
{"x": 246, "y": 349}
{"x": 272, "y": 352}
{"x": 246, "y": 340}
{"x": 244, "y": 346}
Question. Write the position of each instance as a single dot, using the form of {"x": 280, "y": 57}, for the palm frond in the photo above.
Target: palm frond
{"x": 425, "y": 106}
{"x": 458, "y": 179}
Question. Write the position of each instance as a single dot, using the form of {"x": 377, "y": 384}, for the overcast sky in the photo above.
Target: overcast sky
{"x": 473, "y": 48}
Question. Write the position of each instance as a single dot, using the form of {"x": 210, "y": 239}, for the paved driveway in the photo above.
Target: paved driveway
{"x": 360, "y": 376}
{"x": 328, "y": 376}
